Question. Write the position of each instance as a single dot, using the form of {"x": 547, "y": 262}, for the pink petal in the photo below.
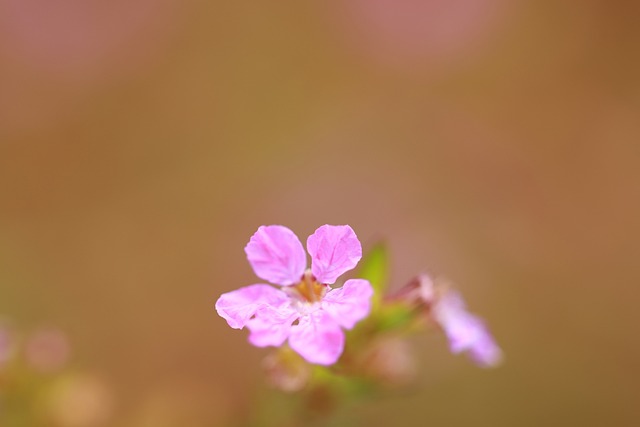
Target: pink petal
{"x": 465, "y": 331}
{"x": 334, "y": 250}
{"x": 350, "y": 303}
{"x": 485, "y": 351}
{"x": 238, "y": 306}
{"x": 426, "y": 289}
{"x": 317, "y": 338}
{"x": 459, "y": 325}
{"x": 276, "y": 254}
{"x": 271, "y": 326}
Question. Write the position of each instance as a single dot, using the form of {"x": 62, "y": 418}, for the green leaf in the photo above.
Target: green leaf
{"x": 374, "y": 267}
{"x": 396, "y": 317}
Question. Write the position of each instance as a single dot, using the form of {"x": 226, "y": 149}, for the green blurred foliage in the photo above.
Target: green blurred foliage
{"x": 374, "y": 267}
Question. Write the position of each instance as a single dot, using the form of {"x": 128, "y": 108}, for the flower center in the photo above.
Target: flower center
{"x": 309, "y": 290}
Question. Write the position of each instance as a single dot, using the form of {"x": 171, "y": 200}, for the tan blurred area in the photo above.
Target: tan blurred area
{"x": 143, "y": 142}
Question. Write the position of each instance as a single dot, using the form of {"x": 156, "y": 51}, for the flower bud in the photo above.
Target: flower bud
{"x": 391, "y": 361}
{"x": 286, "y": 370}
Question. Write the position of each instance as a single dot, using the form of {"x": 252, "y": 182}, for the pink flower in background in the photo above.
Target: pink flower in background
{"x": 6, "y": 345}
{"x": 465, "y": 331}
{"x": 47, "y": 350}
{"x": 406, "y": 33}
{"x": 306, "y": 311}
{"x": 85, "y": 39}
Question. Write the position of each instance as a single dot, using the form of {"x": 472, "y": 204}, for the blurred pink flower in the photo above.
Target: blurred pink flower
{"x": 47, "y": 350}
{"x": 465, "y": 331}
{"x": 57, "y": 55}
{"x": 6, "y": 345}
{"x": 408, "y": 32}
{"x": 306, "y": 311}
{"x": 84, "y": 38}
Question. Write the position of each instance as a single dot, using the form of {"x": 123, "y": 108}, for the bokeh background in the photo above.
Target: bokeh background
{"x": 142, "y": 142}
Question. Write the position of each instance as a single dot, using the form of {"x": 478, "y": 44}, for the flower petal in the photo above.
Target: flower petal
{"x": 276, "y": 254}
{"x": 350, "y": 303}
{"x": 334, "y": 250}
{"x": 485, "y": 351}
{"x": 271, "y": 326}
{"x": 317, "y": 338}
{"x": 465, "y": 331}
{"x": 426, "y": 288}
{"x": 238, "y": 306}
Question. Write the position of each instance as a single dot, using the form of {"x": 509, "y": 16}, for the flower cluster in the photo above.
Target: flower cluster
{"x": 302, "y": 308}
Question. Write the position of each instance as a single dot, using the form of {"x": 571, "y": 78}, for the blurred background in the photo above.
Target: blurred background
{"x": 142, "y": 142}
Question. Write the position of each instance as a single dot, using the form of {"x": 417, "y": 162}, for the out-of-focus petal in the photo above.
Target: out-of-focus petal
{"x": 276, "y": 254}
{"x": 466, "y": 332}
{"x": 407, "y": 34}
{"x": 334, "y": 250}
{"x": 426, "y": 288}
{"x": 317, "y": 338}
{"x": 451, "y": 303}
{"x": 350, "y": 303}
{"x": 485, "y": 351}
{"x": 463, "y": 330}
{"x": 238, "y": 306}
{"x": 271, "y": 326}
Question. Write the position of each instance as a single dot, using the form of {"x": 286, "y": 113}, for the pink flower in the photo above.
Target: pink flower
{"x": 7, "y": 345}
{"x": 465, "y": 331}
{"x": 47, "y": 350}
{"x": 306, "y": 311}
